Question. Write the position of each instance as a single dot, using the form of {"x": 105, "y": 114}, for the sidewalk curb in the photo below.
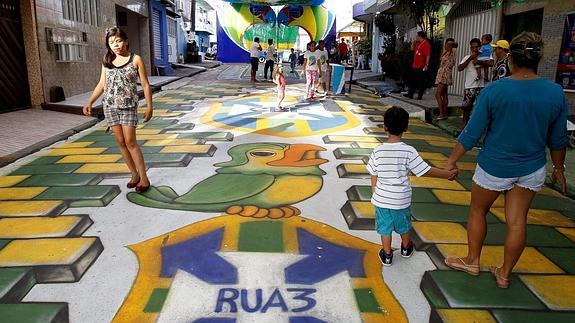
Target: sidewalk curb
{"x": 8, "y": 159}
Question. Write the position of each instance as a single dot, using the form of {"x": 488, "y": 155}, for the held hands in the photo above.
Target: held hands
{"x": 148, "y": 114}
{"x": 559, "y": 176}
{"x": 87, "y": 109}
{"x": 451, "y": 167}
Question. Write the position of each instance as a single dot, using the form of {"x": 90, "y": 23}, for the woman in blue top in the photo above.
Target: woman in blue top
{"x": 520, "y": 116}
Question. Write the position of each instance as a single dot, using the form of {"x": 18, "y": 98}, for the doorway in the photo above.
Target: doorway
{"x": 531, "y": 21}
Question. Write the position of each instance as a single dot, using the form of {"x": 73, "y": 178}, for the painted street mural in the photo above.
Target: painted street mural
{"x": 259, "y": 216}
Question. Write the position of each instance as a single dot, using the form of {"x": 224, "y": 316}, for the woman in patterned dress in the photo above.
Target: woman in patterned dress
{"x": 445, "y": 78}
{"x": 118, "y": 83}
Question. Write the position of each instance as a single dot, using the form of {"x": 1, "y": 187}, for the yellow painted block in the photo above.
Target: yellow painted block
{"x": 465, "y": 316}
{"x": 75, "y": 151}
{"x": 80, "y": 159}
{"x": 460, "y": 165}
{"x": 171, "y": 142}
{"x": 569, "y": 233}
{"x": 556, "y": 291}
{"x": 186, "y": 149}
{"x": 7, "y": 181}
{"x": 144, "y": 109}
{"x": 77, "y": 144}
{"x": 39, "y": 252}
{"x": 375, "y": 130}
{"x": 446, "y": 144}
{"x": 28, "y": 208}
{"x": 426, "y": 137}
{"x": 363, "y": 209}
{"x": 148, "y": 131}
{"x": 340, "y": 138}
{"x": 433, "y": 156}
{"x": 440, "y": 232}
{"x": 167, "y": 114}
{"x": 531, "y": 261}
{"x": 432, "y": 182}
{"x": 157, "y": 137}
{"x": 356, "y": 168}
{"x": 20, "y": 193}
{"x": 542, "y": 217}
{"x": 462, "y": 197}
{"x": 37, "y": 227}
{"x": 550, "y": 192}
{"x": 365, "y": 144}
{"x": 101, "y": 168}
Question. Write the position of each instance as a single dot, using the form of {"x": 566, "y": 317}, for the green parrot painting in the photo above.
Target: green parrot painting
{"x": 261, "y": 180}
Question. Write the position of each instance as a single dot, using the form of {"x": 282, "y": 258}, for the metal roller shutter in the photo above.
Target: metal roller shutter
{"x": 156, "y": 33}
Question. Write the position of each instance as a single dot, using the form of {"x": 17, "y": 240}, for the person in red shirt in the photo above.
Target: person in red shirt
{"x": 343, "y": 49}
{"x": 421, "y": 54}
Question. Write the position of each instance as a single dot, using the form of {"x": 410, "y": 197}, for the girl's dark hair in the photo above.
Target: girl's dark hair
{"x": 526, "y": 50}
{"x": 110, "y": 55}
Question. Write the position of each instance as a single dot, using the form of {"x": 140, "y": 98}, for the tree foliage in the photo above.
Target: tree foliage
{"x": 420, "y": 11}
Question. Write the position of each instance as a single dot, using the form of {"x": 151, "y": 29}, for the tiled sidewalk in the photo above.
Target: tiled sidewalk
{"x": 543, "y": 284}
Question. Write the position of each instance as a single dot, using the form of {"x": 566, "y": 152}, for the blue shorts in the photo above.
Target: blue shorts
{"x": 388, "y": 220}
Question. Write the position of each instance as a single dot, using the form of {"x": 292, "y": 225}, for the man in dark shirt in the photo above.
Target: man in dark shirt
{"x": 501, "y": 65}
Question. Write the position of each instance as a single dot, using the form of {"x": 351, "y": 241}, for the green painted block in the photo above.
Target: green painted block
{"x": 208, "y": 136}
{"x": 156, "y": 300}
{"x": 537, "y": 236}
{"x": 3, "y": 243}
{"x": 358, "y": 218}
{"x": 167, "y": 160}
{"x": 563, "y": 204}
{"x": 62, "y": 180}
{"x": 180, "y": 126}
{"x": 261, "y": 236}
{"x": 459, "y": 290}
{"x": 110, "y": 143}
{"x": 82, "y": 196}
{"x": 563, "y": 257}
{"x": 363, "y": 193}
{"x": 34, "y": 312}
{"x": 159, "y": 123}
{"x": 516, "y": 316}
{"x": 45, "y": 160}
{"x": 46, "y": 169}
{"x": 366, "y": 301}
{"x": 15, "y": 283}
{"x": 144, "y": 149}
{"x": 352, "y": 153}
{"x": 444, "y": 212}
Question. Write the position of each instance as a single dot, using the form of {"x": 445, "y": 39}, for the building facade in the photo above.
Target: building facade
{"x": 204, "y": 24}
{"x": 63, "y": 42}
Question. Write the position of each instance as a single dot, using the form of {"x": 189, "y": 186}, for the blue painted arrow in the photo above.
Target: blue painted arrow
{"x": 215, "y": 320}
{"x": 305, "y": 319}
{"x": 198, "y": 257}
{"x": 325, "y": 260}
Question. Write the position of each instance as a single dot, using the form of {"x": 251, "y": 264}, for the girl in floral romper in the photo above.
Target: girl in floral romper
{"x": 312, "y": 67}
{"x": 118, "y": 83}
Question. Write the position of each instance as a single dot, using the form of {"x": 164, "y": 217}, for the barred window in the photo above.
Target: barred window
{"x": 84, "y": 11}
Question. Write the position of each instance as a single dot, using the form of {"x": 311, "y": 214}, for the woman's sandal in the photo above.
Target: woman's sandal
{"x": 502, "y": 282}
{"x": 133, "y": 184}
{"x": 460, "y": 265}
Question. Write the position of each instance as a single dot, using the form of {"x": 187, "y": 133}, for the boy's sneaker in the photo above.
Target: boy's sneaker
{"x": 386, "y": 259}
{"x": 407, "y": 252}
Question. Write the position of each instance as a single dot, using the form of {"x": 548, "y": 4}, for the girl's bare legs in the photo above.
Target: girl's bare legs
{"x": 445, "y": 100}
{"x": 481, "y": 201}
{"x": 135, "y": 153}
{"x": 517, "y": 203}
{"x": 280, "y": 97}
{"x": 441, "y": 98}
{"x": 120, "y": 139}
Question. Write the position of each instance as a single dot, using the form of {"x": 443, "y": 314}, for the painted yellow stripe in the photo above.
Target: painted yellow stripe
{"x": 79, "y": 159}
{"x": 77, "y": 144}
{"x": 446, "y": 144}
{"x": 39, "y": 252}
{"x": 541, "y": 217}
{"x": 75, "y": 151}
{"x": 556, "y": 291}
{"x": 431, "y": 182}
{"x": 103, "y": 168}
{"x": 20, "y": 193}
{"x": 341, "y": 138}
{"x": 28, "y": 208}
{"x": 531, "y": 261}
{"x": 465, "y": 316}
{"x": 433, "y": 156}
{"x": 172, "y": 142}
{"x": 7, "y": 181}
{"x": 148, "y": 131}
{"x": 157, "y": 137}
{"x": 462, "y": 197}
{"x": 569, "y": 233}
{"x": 460, "y": 165}
{"x": 370, "y": 145}
{"x": 363, "y": 209}
{"x": 440, "y": 232}
{"x": 37, "y": 227}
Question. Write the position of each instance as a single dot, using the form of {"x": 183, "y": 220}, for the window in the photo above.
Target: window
{"x": 84, "y": 11}
{"x": 171, "y": 27}
{"x": 71, "y": 53}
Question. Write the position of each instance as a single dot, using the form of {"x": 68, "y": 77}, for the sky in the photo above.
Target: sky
{"x": 343, "y": 10}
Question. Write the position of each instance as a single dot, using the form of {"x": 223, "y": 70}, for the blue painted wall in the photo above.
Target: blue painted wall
{"x": 203, "y": 40}
{"x": 163, "y": 61}
{"x": 228, "y": 51}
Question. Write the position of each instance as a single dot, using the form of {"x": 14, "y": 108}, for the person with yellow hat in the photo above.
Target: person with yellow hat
{"x": 501, "y": 65}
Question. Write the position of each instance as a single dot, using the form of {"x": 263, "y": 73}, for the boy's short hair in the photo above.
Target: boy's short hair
{"x": 256, "y": 40}
{"x": 396, "y": 120}
{"x": 489, "y": 37}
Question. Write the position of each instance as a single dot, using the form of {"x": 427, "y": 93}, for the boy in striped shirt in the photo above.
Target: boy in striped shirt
{"x": 389, "y": 165}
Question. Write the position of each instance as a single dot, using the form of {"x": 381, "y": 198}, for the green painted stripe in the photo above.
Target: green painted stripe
{"x": 366, "y": 301}
{"x": 261, "y": 236}
{"x": 156, "y": 300}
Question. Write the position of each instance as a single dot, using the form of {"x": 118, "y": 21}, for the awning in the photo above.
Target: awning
{"x": 359, "y": 13}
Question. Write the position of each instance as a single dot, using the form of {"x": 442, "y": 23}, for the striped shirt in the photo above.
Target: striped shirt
{"x": 391, "y": 162}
